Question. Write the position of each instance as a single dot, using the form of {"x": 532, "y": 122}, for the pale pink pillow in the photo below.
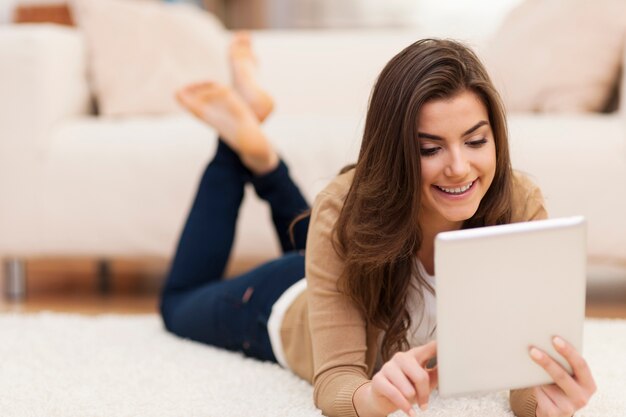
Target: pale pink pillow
{"x": 558, "y": 55}
{"x": 141, "y": 51}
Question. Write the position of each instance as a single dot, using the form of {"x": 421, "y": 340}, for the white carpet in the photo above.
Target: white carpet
{"x": 70, "y": 365}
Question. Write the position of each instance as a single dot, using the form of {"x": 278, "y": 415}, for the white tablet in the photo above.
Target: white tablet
{"x": 501, "y": 289}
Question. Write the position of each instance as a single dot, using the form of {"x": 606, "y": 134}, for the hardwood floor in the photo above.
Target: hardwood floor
{"x": 607, "y": 300}
{"x": 72, "y": 286}
{"x": 90, "y": 304}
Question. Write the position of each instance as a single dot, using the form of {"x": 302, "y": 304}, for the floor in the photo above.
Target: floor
{"x": 74, "y": 286}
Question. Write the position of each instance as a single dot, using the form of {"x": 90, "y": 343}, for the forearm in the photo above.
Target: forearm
{"x": 522, "y": 401}
{"x": 363, "y": 403}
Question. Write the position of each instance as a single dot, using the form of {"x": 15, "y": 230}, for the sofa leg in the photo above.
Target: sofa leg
{"x": 104, "y": 276}
{"x": 15, "y": 279}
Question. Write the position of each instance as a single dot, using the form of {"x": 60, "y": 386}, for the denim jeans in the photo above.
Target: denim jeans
{"x": 196, "y": 303}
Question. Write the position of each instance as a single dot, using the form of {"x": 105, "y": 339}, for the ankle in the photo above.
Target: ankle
{"x": 262, "y": 166}
{"x": 263, "y": 108}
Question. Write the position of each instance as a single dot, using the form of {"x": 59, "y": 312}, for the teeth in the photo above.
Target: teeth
{"x": 457, "y": 190}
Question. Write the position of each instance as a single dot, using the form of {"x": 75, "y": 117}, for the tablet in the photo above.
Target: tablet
{"x": 501, "y": 289}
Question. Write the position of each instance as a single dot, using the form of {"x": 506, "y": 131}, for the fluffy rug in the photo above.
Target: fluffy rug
{"x": 114, "y": 366}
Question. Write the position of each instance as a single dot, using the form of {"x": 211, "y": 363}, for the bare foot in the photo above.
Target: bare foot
{"x": 225, "y": 110}
{"x": 243, "y": 66}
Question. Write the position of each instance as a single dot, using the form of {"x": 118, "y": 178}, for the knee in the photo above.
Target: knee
{"x": 169, "y": 299}
{"x": 166, "y": 311}
{"x": 295, "y": 261}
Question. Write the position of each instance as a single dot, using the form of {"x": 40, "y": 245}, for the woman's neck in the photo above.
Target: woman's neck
{"x": 431, "y": 226}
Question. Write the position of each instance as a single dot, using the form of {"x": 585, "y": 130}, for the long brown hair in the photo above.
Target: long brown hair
{"x": 377, "y": 234}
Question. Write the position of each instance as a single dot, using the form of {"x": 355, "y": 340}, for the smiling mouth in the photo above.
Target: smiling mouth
{"x": 456, "y": 190}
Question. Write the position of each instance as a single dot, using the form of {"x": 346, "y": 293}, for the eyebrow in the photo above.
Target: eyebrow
{"x": 467, "y": 132}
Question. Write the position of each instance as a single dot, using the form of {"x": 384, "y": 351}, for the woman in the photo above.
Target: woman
{"x": 434, "y": 158}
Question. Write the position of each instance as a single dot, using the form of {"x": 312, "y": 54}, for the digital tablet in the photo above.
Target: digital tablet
{"x": 501, "y": 289}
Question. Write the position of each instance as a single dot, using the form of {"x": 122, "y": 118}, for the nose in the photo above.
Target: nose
{"x": 458, "y": 165}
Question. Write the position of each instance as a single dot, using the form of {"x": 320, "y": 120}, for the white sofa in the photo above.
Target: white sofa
{"x": 73, "y": 183}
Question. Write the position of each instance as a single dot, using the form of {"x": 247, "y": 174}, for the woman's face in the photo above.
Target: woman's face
{"x": 458, "y": 158}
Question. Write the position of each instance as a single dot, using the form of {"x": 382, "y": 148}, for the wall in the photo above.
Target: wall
{"x": 6, "y": 10}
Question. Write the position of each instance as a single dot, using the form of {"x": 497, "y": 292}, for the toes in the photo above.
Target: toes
{"x": 201, "y": 90}
{"x": 196, "y": 97}
{"x": 189, "y": 90}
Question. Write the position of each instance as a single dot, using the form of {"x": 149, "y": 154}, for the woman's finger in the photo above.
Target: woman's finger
{"x": 559, "y": 375}
{"x": 558, "y": 397}
{"x": 433, "y": 375}
{"x": 383, "y": 387}
{"x": 422, "y": 382}
{"x": 399, "y": 375}
{"x": 577, "y": 362}
{"x": 545, "y": 406}
{"x": 425, "y": 352}
{"x": 418, "y": 377}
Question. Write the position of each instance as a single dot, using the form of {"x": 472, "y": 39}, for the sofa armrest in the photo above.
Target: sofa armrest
{"x": 42, "y": 82}
{"x": 622, "y": 92}
{"x": 43, "y": 79}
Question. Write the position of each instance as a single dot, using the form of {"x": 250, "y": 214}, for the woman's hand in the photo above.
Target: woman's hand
{"x": 401, "y": 382}
{"x": 568, "y": 393}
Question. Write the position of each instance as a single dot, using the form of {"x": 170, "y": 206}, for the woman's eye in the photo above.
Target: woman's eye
{"x": 428, "y": 151}
{"x": 477, "y": 143}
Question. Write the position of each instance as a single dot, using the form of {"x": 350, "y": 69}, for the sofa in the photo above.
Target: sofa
{"x": 74, "y": 183}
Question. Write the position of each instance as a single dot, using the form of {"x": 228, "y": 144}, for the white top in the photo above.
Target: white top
{"x": 275, "y": 321}
{"x": 423, "y": 314}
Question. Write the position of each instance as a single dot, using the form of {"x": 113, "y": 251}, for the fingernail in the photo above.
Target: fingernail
{"x": 536, "y": 354}
{"x": 558, "y": 342}
{"x": 424, "y": 406}
{"x": 412, "y": 413}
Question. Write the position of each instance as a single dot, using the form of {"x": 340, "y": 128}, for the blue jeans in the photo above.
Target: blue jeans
{"x": 196, "y": 303}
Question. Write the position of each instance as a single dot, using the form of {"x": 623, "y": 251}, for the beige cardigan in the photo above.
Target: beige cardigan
{"x": 325, "y": 338}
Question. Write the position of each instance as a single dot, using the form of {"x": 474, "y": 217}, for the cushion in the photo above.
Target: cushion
{"x": 141, "y": 51}
{"x": 558, "y": 55}
{"x": 58, "y": 13}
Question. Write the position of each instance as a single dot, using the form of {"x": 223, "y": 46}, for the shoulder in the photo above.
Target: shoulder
{"x": 329, "y": 203}
{"x": 528, "y": 203}
{"x": 338, "y": 188}
{"x": 334, "y": 194}
{"x": 325, "y": 213}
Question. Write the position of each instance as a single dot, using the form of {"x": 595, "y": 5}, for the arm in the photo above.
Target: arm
{"x": 523, "y": 402}
{"x": 528, "y": 203}
{"x": 569, "y": 393}
{"x": 344, "y": 347}
{"x": 401, "y": 382}
{"x": 528, "y": 206}
{"x": 338, "y": 330}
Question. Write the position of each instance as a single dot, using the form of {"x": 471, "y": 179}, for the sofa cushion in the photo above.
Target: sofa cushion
{"x": 558, "y": 55}
{"x": 131, "y": 182}
{"x": 141, "y": 51}
{"x": 58, "y": 13}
